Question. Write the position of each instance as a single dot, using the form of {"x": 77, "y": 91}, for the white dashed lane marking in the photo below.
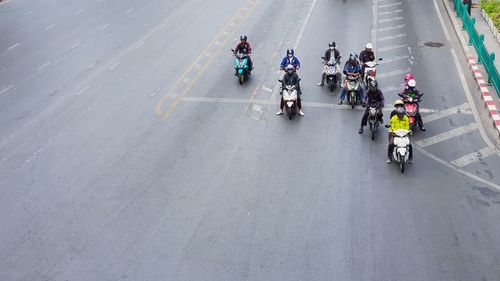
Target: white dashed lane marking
{"x": 13, "y": 46}
{"x": 50, "y": 27}
{"x": 459, "y": 109}
{"x": 393, "y": 47}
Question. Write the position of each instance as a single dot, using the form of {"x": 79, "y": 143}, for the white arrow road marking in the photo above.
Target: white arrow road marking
{"x": 474, "y": 157}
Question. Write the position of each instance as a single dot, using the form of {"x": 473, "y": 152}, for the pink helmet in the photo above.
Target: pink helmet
{"x": 408, "y": 76}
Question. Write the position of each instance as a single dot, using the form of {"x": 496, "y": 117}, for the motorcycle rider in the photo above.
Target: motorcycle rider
{"x": 365, "y": 56}
{"x": 411, "y": 90}
{"x": 351, "y": 67}
{"x": 244, "y": 48}
{"x": 373, "y": 98}
{"x": 290, "y": 78}
{"x": 398, "y": 122}
{"x": 408, "y": 77}
{"x": 331, "y": 51}
{"x": 290, "y": 59}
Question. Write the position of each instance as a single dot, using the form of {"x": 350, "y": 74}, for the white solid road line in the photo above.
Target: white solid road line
{"x": 447, "y": 135}
{"x": 459, "y": 109}
{"x": 50, "y": 27}
{"x": 44, "y": 65}
{"x": 13, "y": 46}
{"x": 83, "y": 90}
{"x": 474, "y": 157}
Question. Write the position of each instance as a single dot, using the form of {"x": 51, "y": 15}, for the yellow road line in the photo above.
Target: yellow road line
{"x": 217, "y": 41}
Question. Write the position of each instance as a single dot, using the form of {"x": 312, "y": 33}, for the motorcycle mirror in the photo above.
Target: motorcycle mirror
{"x": 380, "y": 58}
{"x": 323, "y": 57}
{"x": 279, "y": 80}
{"x": 232, "y": 50}
{"x": 421, "y": 94}
{"x": 299, "y": 79}
{"x": 387, "y": 126}
{"x": 399, "y": 94}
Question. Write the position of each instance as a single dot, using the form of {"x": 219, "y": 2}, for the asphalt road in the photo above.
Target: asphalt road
{"x": 128, "y": 150}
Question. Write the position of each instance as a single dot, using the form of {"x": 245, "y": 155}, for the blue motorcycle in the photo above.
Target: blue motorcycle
{"x": 241, "y": 66}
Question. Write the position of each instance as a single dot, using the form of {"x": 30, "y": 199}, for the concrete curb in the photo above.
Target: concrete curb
{"x": 489, "y": 104}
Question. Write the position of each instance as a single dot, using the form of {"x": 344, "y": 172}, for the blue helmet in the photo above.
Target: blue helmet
{"x": 290, "y": 52}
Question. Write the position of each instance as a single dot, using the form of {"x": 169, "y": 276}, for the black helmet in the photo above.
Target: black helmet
{"x": 353, "y": 57}
{"x": 243, "y": 37}
{"x": 289, "y": 52}
{"x": 332, "y": 44}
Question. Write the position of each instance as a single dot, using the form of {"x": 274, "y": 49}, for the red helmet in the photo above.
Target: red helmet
{"x": 408, "y": 77}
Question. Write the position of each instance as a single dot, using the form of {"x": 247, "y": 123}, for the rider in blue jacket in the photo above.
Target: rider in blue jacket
{"x": 290, "y": 59}
{"x": 351, "y": 67}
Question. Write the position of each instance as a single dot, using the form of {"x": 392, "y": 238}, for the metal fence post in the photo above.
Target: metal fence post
{"x": 478, "y": 48}
{"x": 491, "y": 65}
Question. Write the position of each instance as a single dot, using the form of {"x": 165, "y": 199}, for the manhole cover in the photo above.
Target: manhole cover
{"x": 433, "y": 44}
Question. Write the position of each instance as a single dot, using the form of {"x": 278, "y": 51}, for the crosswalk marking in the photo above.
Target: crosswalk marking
{"x": 474, "y": 157}
{"x": 447, "y": 135}
{"x": 463, "y": 108}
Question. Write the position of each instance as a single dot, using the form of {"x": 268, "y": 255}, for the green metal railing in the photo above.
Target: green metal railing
{"x": 477, "y": 40}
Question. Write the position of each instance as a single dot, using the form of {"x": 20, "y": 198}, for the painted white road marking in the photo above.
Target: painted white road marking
{"x": 391, "y": 28}
{"x": 13, "y": 46}
{"x": 83, "y": 90}
{"x": 129, "y": 11}
{"x": 6, "y": 89}
{"x": 79, "y": 11}
{"x": 390, "y": 48}
{"x": 474, "y": 157}
{"x": 390, "y": 5}
{"x": 44, "y": 65}
{"x": 447, "y": 135}
{"x": 91, "y": 65}
{"x": 390, "y": 19}
{"x": 390, "y": 37}
{"x": 4, "y": 2}
{"x": 114, "y": 65}
{"x": 50, "y": 27}
{"x": 459, "y": 109}
{"x": 393, "y": 73}
{"x": 105, "y": 26}
{"x": 75, "y": 45}
{"x": 28, "y": 12}
{"x": 390, "y": 12}
{"x": 393, "y": 59}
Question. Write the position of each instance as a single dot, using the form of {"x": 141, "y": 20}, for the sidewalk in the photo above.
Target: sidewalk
{"x": 482, "y": 27}
{"x": 488, "y": 94}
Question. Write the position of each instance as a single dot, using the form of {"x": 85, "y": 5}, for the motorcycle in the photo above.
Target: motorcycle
{"x": 401, "y": 151}
{"x": 332, "y": 71}
{"x": 370, "y": 71}
{"x": 373, "y": 121}
{"x": 290, "y": 93}
{"x": 411, "y": 107}
{"x": 353, "y": 89}
{"x": 241, "y": 66}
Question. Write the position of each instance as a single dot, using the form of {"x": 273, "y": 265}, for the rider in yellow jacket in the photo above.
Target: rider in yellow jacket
{"x": 398, "y": 122}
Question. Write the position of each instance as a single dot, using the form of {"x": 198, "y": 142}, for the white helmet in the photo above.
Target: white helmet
{"x": 412, "y": 83}
{"x": 369, "y": 46}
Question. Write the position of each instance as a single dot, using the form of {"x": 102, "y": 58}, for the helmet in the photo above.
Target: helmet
{"x": 412, "y": 83}
{"x": 332, "y": 44}
{"x": 352, "y": 56}
{"x": 290, "y": 52}
{"x": 408, "y": 76}
{"x": 369, "y": 46}
{"x": 290, "y": 69}
{"x": 400, "y": 111}
{"x": 399, "y": 103}
{"x": 372, "y": 85}
{"x": 243, "y": 37}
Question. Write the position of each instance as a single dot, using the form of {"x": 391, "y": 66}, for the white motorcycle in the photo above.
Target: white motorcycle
{"x": 290, "y": 93}
{"x": 370, "y": 71}
{"x": 401, "y": 151}
{"x": 333, "y": 75}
